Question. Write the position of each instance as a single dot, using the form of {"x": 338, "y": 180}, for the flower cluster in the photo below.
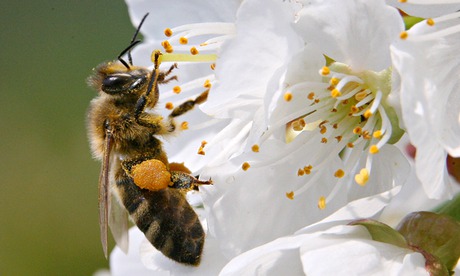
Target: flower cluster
{"x": 309, "y": 103}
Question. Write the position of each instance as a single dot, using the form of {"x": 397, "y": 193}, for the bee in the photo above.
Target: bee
{"x": 135, "y": 171}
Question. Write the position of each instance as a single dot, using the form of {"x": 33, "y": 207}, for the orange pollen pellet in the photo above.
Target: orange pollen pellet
{"x": 430, "y": 21}
{"x": 169, "y": 105}
{"x": 207, "y": 84}
{"x": 245, "y": 166}
{"x": 357, "y": 130}
{"x": 311, "y": 95}
{"x": 325, "y": 71}
{"x": 324, "y": 140}
{"x": 290, "y": 195}
{"x": 403, "y": 35}
{"x": 213, "y": 66}
{"x": 194, "y": 51}
{"x": 183, "y": 40}
{"x": 322, "y": 203}
{"x": 339, "y": 173}
{"x": 255, "y": 148}
{"x": 287, "y": 96}
{"x": 184, "y": 125}
{"x": 177, "y": 89}
{"x": 168, "y": 32}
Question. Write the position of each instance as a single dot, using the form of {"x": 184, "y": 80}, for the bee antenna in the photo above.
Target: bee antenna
{"x": 133, "y": 43}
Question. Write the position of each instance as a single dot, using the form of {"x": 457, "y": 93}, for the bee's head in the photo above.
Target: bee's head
{"x": 114, "y": 79}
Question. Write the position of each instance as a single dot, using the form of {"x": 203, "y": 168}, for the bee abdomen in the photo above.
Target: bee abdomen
{"x": 166, "y": 219}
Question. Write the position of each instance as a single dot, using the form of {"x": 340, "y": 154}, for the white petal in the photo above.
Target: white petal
{"x": 177, "y": 12}
{"x": 426, "y": 8}
{"x": 357, "y": 33}
{"x": 249, "y": 61}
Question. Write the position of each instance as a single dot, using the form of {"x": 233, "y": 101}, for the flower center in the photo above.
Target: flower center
{"x": 348, "y": 115}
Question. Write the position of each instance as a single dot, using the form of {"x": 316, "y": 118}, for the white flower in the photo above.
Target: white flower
{"x": 330, "y": 248}
{"x": 426, "y": 8}
{"x": 267, "y": 78}
{"x": 427, "y": 60}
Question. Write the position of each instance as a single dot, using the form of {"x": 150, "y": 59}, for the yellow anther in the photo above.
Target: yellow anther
{"x": 334, "y": 81}
{"x": 201, "y": 151}
{"x": 430, "y": 21}
{"x": 300, "y": 172}
{"x": 311, "y": 95}
{"x": 213, "y": 66}
{"x": 290, "y": 195}
{"x": 323, "y": 129}
{"x": 307, "y": 169}
{"x": 362, "y": 177}
{"x": 184, "y": 125}
{"x": 177, "y": 89}
{"x": 207, "y": 84}
{"x": 339, "y": 138}
{"x": 287, "y": 96}
{"x": 377, "y": 134}
{"x": 255, "y": 148}
{"x": 373, "y": 149}
{"x": 298, "y": 125}
{"x": 357, "y": 130}
{"x": 183, "y": 40}
{"x": 350, "y": 145}
{"x": 339, "y": 173}
{"x": 335, "y": 93}
{"x": 366, "y": 135}
{"x": 245, "y": 166}
{"x": 403, "y": 35}
{"x": 168, "y": 32}
{"x": 322, "y": 203}
{"x": 194, "y": 51}
{"x": 367, "y": 114}
{"x": 325, "y": 71}
{"x": 353, "y": 109}
{"x": 335, "y": 126}
{"x": 402, "y": 1}
{"x": 169, "y": 105}
{"x": 324, "y": 140}
{"x": 360, "y": 95}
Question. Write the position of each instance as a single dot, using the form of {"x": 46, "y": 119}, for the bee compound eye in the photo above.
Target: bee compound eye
{"x": 115, "y": 84}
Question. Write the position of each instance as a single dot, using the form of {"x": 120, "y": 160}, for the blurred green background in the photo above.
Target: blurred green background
{"x": 48, "y": 189}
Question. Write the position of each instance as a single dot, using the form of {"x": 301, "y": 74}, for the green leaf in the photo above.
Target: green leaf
{"x": 433, "y": 233}
{"x": 382, "y": 232}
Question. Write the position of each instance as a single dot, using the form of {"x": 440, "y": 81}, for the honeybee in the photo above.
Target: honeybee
{"x": 135, "y": 170}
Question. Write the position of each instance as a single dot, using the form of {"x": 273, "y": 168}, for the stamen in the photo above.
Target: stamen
{"x": 322, "y": 203}
{"x": 207, "y": 84}
{"x": 201, "y": 149}
{"x": 335, "y": 93}
{"x": 290, "y": 195}
{"x": 184, "y": 125}
{"x": 339, "y": 173}
{"x": 168, "y": 32}
{"x": 300, "y": 172}
{"x": 255, "y": 148}
{"x": 430, "y": 21}
{"x": 177, "y": 89}
{"x": 403, "y": 35}
{"x": 213, "y": 66}
{"x": 245, "y": 166}
{"x": 169, "y": 105}
{"x": 373, "y": 149}
{"x": 311, "y": 95}
{"x": 194, "y": 51}
{"x": 287, "y": 96}
{"x": 362, "y": 177}
{"x": 377, "y": 134}
{"x": 183, "y": 40}
{"x": 325, "y": 71}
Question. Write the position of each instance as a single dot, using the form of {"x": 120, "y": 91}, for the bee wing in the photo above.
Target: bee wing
{"x": 104, "y": 190}
{"x": 118, "y": 223}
